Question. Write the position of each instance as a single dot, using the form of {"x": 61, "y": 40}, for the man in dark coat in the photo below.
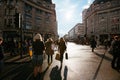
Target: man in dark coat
{"x": 116, "y": 49}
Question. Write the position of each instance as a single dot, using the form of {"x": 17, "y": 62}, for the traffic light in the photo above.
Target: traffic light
{"x": 16, "y": 20}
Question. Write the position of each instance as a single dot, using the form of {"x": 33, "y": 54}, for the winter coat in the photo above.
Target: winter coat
{"x": 38, "y": 47}
{"x": 62, "y": 47}
{"x": 93, "y": 43}
{"x": 48, "y": 48}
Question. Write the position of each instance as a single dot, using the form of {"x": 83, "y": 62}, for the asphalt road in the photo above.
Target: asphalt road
{"x": 82, "y": 64}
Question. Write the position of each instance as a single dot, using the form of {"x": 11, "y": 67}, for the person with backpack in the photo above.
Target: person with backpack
{"x": 115, "y": 53}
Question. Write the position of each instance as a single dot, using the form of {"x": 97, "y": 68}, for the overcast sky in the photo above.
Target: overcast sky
{"x": 69, "y": 13}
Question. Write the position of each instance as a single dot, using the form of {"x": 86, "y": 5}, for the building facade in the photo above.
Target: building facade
{"x": 76, "y": 33}
{"x": 102, "y": 19}
{"x": 35, "y": 16}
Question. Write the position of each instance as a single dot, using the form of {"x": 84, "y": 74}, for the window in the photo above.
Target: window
{"x": 27, "y": 7}
{"x": 28, "y": 16}
{"x": 0, "y": 2}
{"x": 11, "y": 2}
{"x": 39, "y": 11}
{"x": 28, "y": 26}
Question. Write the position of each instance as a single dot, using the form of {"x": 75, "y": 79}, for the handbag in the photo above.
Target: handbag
{"x": 57, "y": 57}
{"x": 66, "y": 55}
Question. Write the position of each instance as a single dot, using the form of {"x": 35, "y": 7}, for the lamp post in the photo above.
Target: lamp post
{"x": 21, "y": 34}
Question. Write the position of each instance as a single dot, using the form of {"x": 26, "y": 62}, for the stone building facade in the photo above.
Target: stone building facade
{"x": 36, "y": 16}
{"x": 102, "y": 19}
{"x": 76, "y": 33}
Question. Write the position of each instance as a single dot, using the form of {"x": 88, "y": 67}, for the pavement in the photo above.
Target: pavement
{"x": 73, "y": 69}
{"x": 16, "y": 58}
{"x": 98, "y": 68}
{"x": 106, "y": 72}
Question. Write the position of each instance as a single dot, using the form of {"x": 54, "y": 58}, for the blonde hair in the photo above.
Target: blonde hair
{"x": 37, "y": 37}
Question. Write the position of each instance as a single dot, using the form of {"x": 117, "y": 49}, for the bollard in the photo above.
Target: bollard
{"x": 30, "y": 51}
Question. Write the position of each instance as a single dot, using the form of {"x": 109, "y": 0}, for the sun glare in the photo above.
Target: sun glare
{"x": 68, "y": 16}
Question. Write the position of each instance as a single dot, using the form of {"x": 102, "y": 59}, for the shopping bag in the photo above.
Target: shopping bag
{"x": 66, "y": 55}
{"x": 57, "y": 57}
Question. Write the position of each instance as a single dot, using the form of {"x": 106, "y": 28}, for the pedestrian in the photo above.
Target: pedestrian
{"x": 49, "y": 50}
{"x": 12, "y": 47}
{"x": 118, "y": 60}
{"x": 20, "y": 49}
{"x": 93, "y": 43}
{"x": 25, "y": 47}
{"x": 61, "y": 48}
{"x": 1, "y": 55}
{"x": 38, "y": 49}
{"x": 106, "y": 43}
{"x": 115, "y": 46}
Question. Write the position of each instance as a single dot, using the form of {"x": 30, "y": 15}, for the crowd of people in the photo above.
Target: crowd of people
{"x": 113, "y": 47}
{"x": 115, "y": 51}
{"x": 41, "y": 47}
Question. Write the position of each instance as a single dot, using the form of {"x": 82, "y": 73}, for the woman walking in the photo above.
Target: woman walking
{"x": 38, "y": 48}
{"x": 49, "y": 50}
{"x": 61, "y": 48}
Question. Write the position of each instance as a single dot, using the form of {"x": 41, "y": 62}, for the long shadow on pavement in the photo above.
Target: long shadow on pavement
{"x": 55, "y": 73}
{"x": 105, "y": 57}
{"x": 65, "y": 73}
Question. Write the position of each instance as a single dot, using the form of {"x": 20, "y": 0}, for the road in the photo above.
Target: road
{"x": 82, "y": 64}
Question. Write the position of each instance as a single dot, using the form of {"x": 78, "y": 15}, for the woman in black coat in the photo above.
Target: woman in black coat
{"x": 38, "y": 49}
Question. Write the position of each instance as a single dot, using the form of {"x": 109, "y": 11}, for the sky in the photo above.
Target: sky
{"x": 69, "y": 13}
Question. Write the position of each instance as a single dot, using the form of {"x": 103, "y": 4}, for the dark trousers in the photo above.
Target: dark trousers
{"x": 50, "y": 56}
{"x": 118, "y": 63}
{"x": 114, "y": 61}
